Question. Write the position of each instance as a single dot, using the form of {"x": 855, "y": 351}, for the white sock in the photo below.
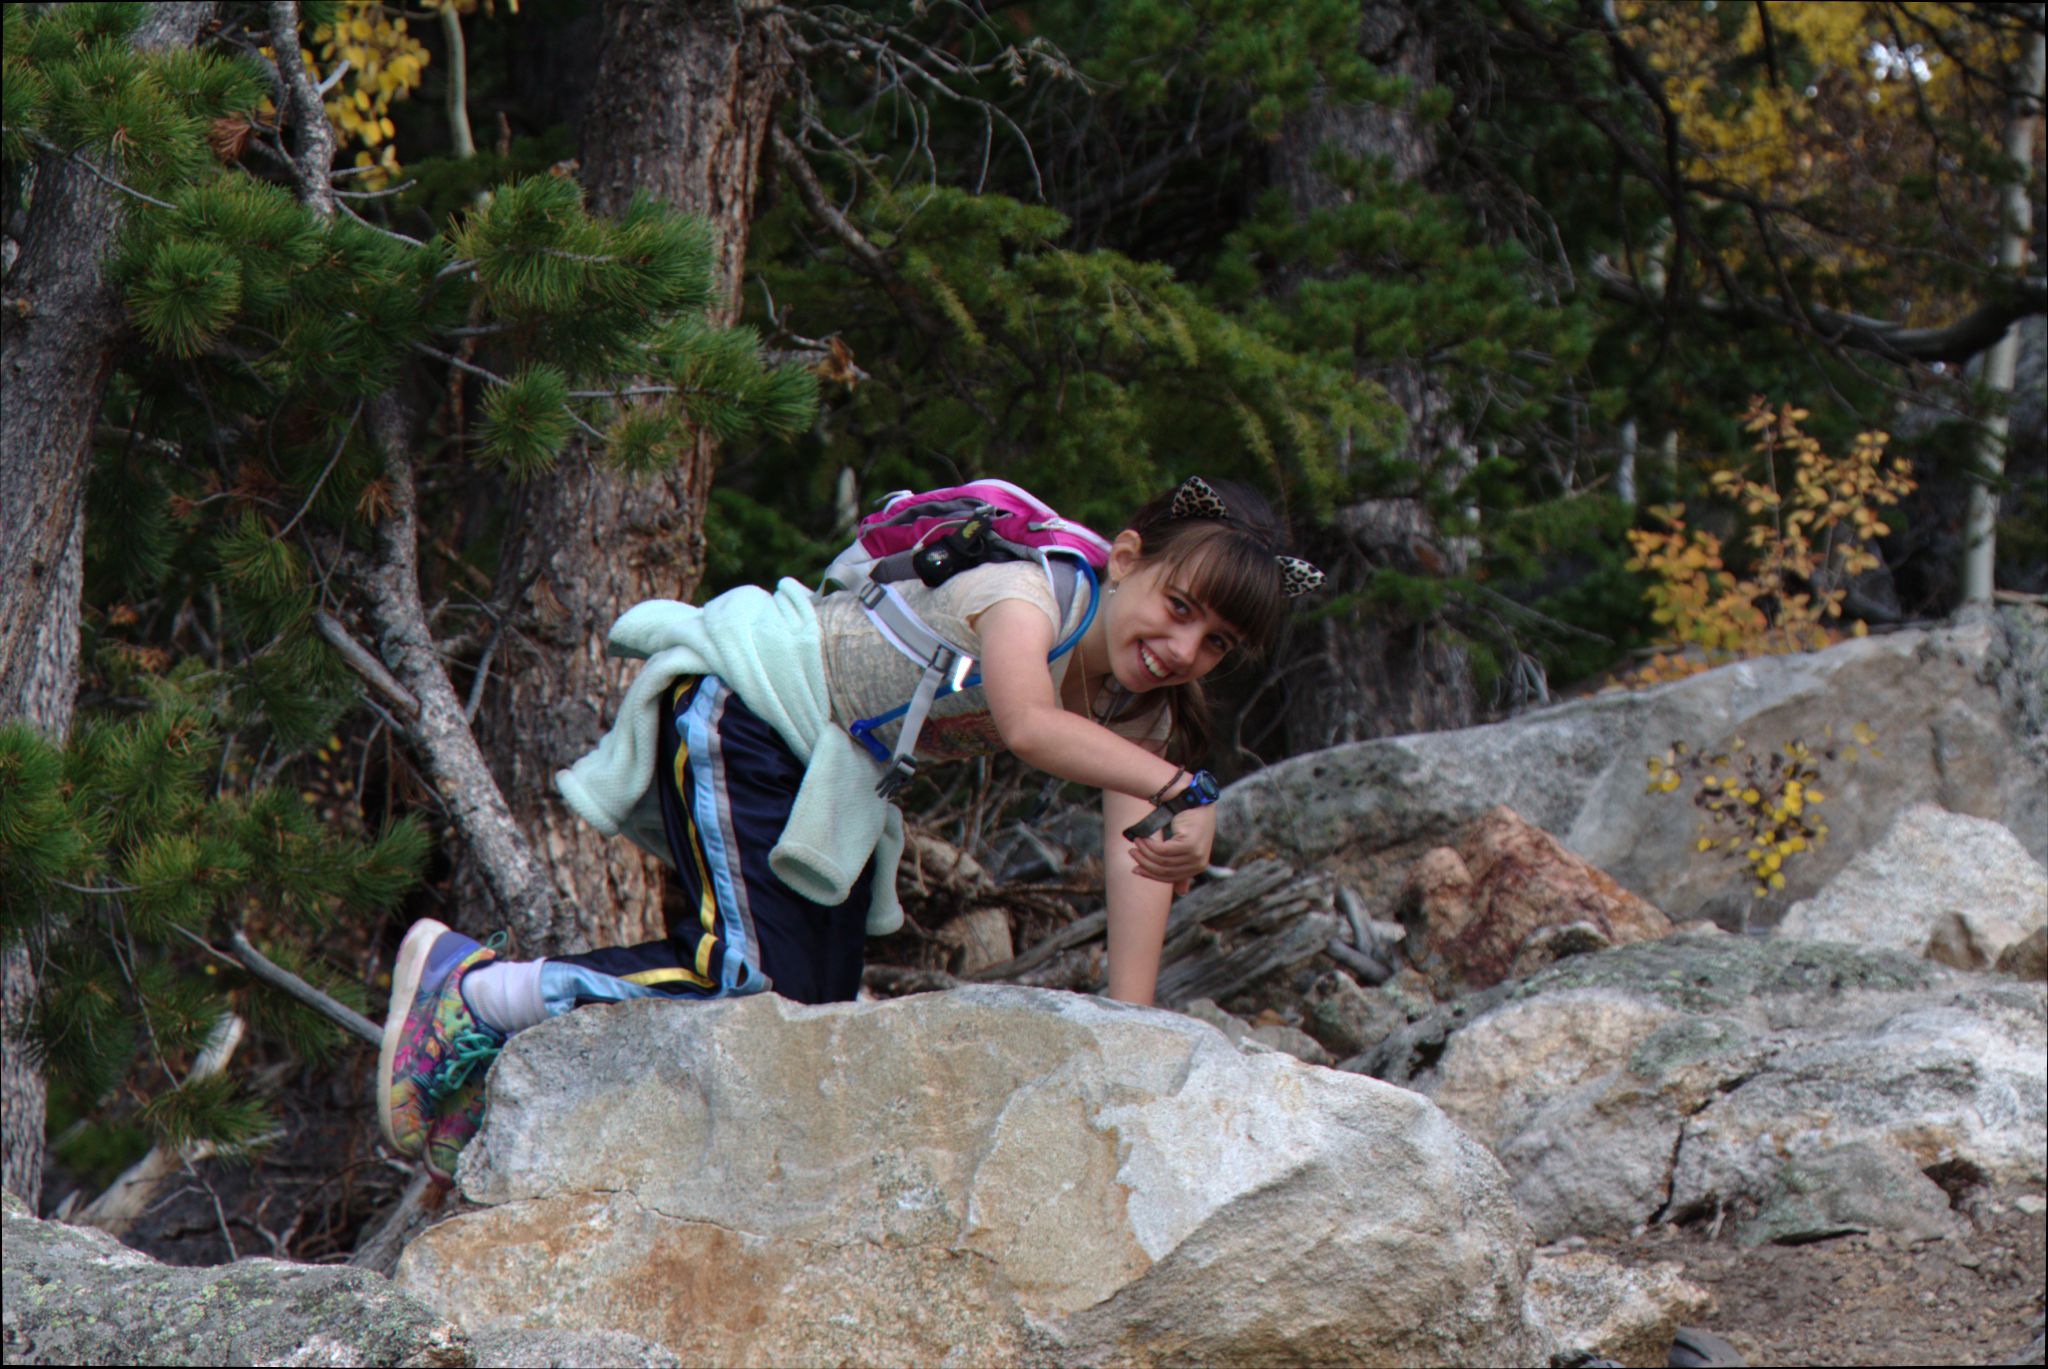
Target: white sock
{"x": 506, "y": 994}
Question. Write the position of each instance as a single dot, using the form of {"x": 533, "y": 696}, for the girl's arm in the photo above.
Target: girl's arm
{"x": 1140, "y": 878}
{"x": 1139, "y": 882}
{"x": 1015, "y": 637}
{"x": 1137, "y": 905}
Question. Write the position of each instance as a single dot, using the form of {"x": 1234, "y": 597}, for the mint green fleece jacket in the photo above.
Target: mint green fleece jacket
{"x": 765, "y": 646}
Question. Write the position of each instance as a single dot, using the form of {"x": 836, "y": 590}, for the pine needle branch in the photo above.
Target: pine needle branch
{"x": 278, "y": 977}
{"x": 358, "y": 658}
{"x": 37, "y": 140}
{"x": 124, "y": 1200}
{"x": 326, "y": 471}
{"x": 343, "y": 204}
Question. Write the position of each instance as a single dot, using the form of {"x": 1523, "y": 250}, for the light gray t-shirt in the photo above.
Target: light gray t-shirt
{"x": 865, "y": 676}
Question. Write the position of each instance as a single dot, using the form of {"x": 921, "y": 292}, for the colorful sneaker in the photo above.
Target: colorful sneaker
{"x": 432, "y": 1044}
{"x": 461, "y": 1113}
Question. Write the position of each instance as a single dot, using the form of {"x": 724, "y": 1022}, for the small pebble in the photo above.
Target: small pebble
{"x": 2031, "y": 1203}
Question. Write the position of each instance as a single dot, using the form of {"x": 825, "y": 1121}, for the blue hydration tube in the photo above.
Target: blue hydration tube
{"x": 864, "y": 729}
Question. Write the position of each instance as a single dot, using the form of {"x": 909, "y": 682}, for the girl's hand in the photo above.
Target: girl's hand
{"x": 1177, "y": 859}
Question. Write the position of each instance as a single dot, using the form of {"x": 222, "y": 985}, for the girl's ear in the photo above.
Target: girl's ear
{"x": 1124, "y": 554}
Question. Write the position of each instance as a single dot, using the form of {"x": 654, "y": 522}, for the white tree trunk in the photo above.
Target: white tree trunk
{"x": 1980, "y": 524}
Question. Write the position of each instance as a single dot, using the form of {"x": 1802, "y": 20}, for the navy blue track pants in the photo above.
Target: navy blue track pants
{"x": 727, "y": 784}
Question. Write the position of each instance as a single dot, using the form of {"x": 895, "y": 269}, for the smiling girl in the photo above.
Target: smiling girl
{"x": 732, "y": 760}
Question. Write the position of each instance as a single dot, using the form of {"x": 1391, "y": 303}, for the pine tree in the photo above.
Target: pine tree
{"x": 257, "y": 492}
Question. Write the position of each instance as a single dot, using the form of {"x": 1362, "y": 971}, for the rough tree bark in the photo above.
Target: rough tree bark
{"x": 1348, "y": 678}
{"x": 690, "y": 92}
{"x": 57, "y": 338}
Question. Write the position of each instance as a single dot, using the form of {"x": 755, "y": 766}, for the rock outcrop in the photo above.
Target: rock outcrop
{"x": 1796, "y": 1089}
{"x": 981, "y": 1176}
{"x": 1507, "y": 901}
{"x": 1960, "y": 713}
{"x": 1957, "y": 889}
{"x": 75, "y": 1295}
{"x": 1594, "y": 1307}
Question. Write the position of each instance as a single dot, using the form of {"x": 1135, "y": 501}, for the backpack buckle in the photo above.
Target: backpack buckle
{"x": 901, "y": 772}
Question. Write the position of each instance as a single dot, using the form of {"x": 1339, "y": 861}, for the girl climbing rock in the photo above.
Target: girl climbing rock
{"x": 746, "y": 754}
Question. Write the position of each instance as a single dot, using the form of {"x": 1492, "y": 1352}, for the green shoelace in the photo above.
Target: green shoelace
{"x": 467, "y": 1049}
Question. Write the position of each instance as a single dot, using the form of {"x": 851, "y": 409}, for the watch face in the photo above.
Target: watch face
{"x": 1201, "y": 791}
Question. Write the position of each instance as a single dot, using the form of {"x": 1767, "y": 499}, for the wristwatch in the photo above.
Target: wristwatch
{"x": 1200, "y": 793}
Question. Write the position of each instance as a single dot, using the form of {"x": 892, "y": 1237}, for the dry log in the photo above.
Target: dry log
{"x": 936, "y": 863}
{"x": 1221, "y": 972}
{"x": 1223, "y": 903}
{"x": 894, "y": 981}
{"x": 1370, "y": 969}
{"x": 980, "y": 938}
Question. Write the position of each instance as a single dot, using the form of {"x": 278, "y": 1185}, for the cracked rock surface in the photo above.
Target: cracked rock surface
{"x": 977, "y": 1177}
{"x": 1797, "y": 1089}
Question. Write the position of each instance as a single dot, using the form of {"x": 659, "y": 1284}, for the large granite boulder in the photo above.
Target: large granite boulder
{"x": 977, "y": 1177}
{"x": 1796, "y": 1089}
{"x": 1960, "y": 713}
{"x": 1954, "y": 888}
{"x": 75, "y": 1295}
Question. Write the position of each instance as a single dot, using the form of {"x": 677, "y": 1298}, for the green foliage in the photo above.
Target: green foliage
{"x": 747, "y": 541}
{"x": 73, "y": 80}
{"x": 123, "y": 851}
{"x": 724, "y": 388}
{"x": 526, "y": 420}
{"x": 1088, "y": 374}
{"x": 186, "y": 296}
{"x": 234, "y": 466}
{"x": 213, "y": 1109}
{"x": 44, "y": 839}
{"x": 1277, "y": 59}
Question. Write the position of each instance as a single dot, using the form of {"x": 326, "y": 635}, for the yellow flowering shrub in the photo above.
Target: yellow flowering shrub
{"x": 1807, "y": 539}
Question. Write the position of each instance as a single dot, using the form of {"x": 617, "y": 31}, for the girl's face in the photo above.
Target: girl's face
{"x": 1158, "y": 634}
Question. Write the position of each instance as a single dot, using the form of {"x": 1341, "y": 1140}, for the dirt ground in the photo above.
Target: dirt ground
{"x": 1873, "y": 1299}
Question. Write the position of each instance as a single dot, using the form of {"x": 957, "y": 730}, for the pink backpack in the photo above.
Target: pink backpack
{"x": 932, "y": 536}
{"x": 1018, "y": 524}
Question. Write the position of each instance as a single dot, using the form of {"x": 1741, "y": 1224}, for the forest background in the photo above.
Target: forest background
{"x": 349, "y": 400}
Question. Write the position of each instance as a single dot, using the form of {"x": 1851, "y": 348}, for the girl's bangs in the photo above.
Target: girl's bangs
{"x": 1233, "y": 577}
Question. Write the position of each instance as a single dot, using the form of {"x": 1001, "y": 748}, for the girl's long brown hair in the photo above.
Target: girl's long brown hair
{"x": 1228, "y": 565}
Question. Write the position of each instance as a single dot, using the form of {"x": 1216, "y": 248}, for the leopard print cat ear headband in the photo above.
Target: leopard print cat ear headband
{"x": 1195, "y": 499}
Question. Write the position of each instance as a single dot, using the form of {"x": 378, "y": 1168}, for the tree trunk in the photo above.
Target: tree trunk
{"x": 1980, "y": 524}
{"x": 691, "y": 91}
{"x": 57, "y": 337}
{"x": 1349, "y": 677}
